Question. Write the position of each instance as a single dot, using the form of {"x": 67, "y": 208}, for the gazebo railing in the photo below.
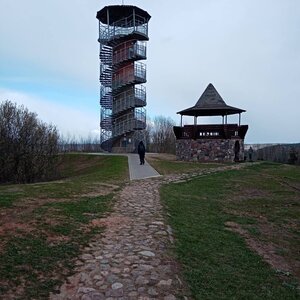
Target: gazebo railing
{"x": 211, "y": 131}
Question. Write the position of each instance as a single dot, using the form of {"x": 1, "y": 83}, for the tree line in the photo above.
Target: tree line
{"x": 158, "y": 137}
{"x": 30, "y": 148}
{"x": 283, "y": 153}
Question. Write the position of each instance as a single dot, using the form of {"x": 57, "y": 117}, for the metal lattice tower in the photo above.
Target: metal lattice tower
{"x": 123, "y": 32}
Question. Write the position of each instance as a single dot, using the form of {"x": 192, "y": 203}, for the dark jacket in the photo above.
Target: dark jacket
{"x": 141, "y": 148}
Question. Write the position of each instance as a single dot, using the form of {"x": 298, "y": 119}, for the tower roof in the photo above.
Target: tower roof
{"x": 210, "y": 104}
{"x": 117, "y": 12}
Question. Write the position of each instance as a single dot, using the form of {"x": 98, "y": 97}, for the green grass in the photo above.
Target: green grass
{"x": 32, "y": 260}
{"x": 80, "y": 210}
{"x": 52, "y": 222}
{"x": 7, "y": 199}
{"x": 165, "y": 166}
{"x": 217, "y": 263}
{"x": 78, "y": 174}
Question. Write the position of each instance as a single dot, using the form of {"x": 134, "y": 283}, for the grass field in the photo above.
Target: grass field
{"x": 237, "y": 232}
{"x": 167, "y": 164}
{"x": 43, "y": 226}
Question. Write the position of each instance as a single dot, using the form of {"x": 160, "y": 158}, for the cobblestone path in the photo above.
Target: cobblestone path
{"x": 131, "y": 258}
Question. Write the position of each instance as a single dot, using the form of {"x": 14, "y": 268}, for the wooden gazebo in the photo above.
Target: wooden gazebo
{"x": 217, "y": 142}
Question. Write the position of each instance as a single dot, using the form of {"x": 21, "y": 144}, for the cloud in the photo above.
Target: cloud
{"x": 251, "y": 55}
{"x": 68, "y": 120}
{"x": 59, "y": 36}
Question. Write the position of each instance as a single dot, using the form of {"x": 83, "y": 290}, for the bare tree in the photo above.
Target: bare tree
{"x": 282, "y": 153}
{"x": 28, "y": 147}
{"x": 162, "y": 138}
{"x": 80, "y": 144}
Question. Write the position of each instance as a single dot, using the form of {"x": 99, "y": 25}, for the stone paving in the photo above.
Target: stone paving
{"x": 131, "y": 259}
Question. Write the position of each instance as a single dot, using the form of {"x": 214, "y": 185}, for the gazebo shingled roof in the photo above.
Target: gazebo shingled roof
{"x": 210, "y": 104}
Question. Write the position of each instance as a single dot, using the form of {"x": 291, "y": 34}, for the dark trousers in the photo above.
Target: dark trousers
{"x": 142, "y": 158}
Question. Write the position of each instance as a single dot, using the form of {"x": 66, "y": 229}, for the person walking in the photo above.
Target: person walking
{"x": 141, "y": 152}
{"x": 250, "y": 152}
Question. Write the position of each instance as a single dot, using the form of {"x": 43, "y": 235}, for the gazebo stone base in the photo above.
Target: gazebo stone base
{"x": 217, "y": 150}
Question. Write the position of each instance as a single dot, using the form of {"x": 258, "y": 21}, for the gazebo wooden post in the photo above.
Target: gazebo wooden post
{"x": 239, "y": 119}
{"x": 181, "y": 121}
{"x": 195, "y": 127}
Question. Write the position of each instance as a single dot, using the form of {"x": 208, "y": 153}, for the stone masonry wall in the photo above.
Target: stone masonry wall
{"x": 221, "y": 150}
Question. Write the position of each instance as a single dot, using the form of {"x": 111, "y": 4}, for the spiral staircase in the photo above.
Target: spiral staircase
{"x": 122, "y": 75}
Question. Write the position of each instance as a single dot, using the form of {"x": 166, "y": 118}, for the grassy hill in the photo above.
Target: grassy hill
{"x": 237, "y": 232}
{"x": 43, "y": 226}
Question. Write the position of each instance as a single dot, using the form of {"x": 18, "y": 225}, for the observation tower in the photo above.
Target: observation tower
{"x": 123, "y": 33}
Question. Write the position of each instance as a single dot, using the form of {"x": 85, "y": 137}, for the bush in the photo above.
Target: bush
{"x": 283, "y": 153}
{"x": 28, "y": 147}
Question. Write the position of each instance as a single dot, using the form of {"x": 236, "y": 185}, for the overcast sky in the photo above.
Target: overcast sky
{"x": 248, "y": 49}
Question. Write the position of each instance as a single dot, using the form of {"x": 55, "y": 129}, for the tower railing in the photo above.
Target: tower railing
{"x": 106, "y": 54}
{"x": 129, "y": 75}
{"x": 105, "y": 75}
{"x": 129, "y": 99}
{"x": 129, "y": 51}
{"x": 106, "y": 121}
{"x": 106, "y": 97}
{"x": 124, "y": 126}
{"x": 125, "y": 26}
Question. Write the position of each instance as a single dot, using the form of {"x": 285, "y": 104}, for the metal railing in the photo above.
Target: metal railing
{"x": 105, "y": 75}
{"x": 129, "y": 99}
{"x": 134, "y": 73}
{"x": 106, "y": 121}
{"x": 129, "y": 52}
{"x": 106, "y": 54}
{"x": 127, "y": 126}
{"x": 106, "y": 97}
{"x": 125, "y": 26}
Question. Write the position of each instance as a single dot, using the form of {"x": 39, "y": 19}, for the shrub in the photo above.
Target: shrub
{"x": 28, "y": 147}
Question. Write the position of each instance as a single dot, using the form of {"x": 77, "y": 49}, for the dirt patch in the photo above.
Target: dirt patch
{"x": 286, "y": 182}
{"x": 14, "y": 229}
{"x": 77, "y": 167}
{"x": 6, "y": 229}
{"x": 14, "y": 189}
{"x": 249, "y": 193}
{"x": 101, "y": 190}
{"x": 57, "y": 239}
{"x": 37, "y": 184}
{"x": 266, "y": 250}
{"x": 246, "y": 214}
{"x": 161, "y": 156}
{"x": 14, "y": 221}
{"x": 111, "y": 221}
